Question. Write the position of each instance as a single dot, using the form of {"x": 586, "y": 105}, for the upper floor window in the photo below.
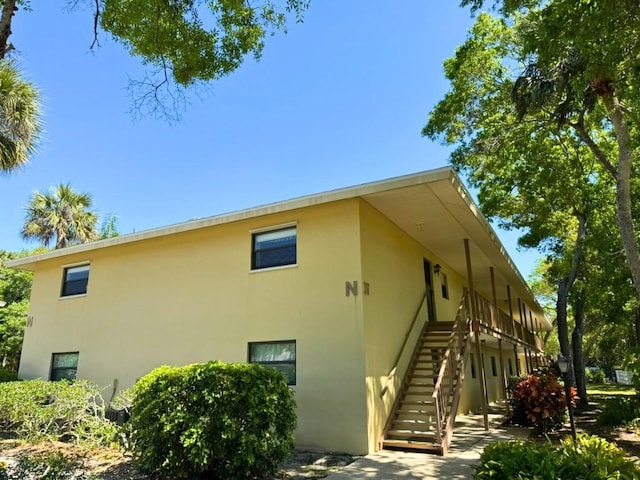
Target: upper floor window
{"x": 274, "y": 248}
{"x": 75, "y": 280}
{"x": 445, "y": 286}
{"x": 64, "y": 366}
{"x": 279, "y": 355}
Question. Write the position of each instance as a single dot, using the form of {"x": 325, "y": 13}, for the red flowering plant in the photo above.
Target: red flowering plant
{"x": 540, "y": 401}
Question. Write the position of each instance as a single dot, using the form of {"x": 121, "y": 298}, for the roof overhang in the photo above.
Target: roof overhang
{"x": 433, "y": 207}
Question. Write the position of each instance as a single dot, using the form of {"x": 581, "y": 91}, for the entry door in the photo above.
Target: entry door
{"x": 428, "y": 281}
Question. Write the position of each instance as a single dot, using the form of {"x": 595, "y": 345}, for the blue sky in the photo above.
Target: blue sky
{"x": 339, "y": 100}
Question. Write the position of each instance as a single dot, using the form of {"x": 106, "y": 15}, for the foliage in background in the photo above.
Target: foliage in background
{"x": 15, "y": 289}
{"x": 60, "y": 216}
{"x": 539, "y": 400}
{"x": 595, "y": 376}
{"x": 37, "y": 410}
{"x": 591, "y": 458}
{"x": 7, "y": 375}
{"x": 632, "y": 364}
{"x": 620, "y": 410}
{"x": 212, "y": 420}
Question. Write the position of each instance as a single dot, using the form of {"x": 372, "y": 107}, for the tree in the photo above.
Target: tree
{"x": 62, "y": 216}
{"x": 513, "y": 163}
{"x": 580, "y": 71}
{"x": 109, "y": 227}
{"x": 183, "y": 42}
{"x": 20, "y": 124}
{"x": 15, "y": 289}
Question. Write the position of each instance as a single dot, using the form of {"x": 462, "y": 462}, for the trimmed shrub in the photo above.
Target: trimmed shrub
{"x": 212, "y": 420}
{"x": 619, "y": 411}
{"x": 591, "y": 458}
{"x": 539, "y": 400}
{"x": 37, "y": 410}
{"x": 7, "y": 375}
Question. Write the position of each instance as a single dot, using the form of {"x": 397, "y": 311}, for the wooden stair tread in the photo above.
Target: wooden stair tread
{"x": 430, "y": 447}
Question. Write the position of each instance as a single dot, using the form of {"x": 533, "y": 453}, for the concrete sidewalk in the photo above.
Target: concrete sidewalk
{"x": 469, "y": 440}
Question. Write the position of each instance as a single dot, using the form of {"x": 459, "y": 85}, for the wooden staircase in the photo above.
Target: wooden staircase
{"x": 412, "y": 423}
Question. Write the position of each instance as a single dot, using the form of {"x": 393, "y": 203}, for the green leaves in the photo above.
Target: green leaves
{"x": 185, "y": 42}
{"x": 590, "y": 458}
{"x": 212, "y": 420}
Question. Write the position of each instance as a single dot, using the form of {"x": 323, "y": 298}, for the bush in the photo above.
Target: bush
{"x": 619, "y": 411}
{"x": 539, "y": 400}
{"x": 36, "y": 410}
{"x": 212, "y": 420}
{"x": 591, "y": 458}
{"x": 596, "y": 376}
{"x": 7, "y": 375}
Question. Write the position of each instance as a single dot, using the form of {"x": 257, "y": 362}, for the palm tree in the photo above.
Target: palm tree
{"x": 19, "y": 118}
{"x": 61, "y": 214}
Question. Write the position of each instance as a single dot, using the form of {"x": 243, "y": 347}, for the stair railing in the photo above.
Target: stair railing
{"x": 451, "y": 374}
{"x": 407, "y": 335}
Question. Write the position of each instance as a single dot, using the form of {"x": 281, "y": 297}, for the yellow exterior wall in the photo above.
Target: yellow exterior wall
{"x": 191, "y": 297}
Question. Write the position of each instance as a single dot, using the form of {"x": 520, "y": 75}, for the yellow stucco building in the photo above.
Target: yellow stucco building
{"x": 339, "y": 291}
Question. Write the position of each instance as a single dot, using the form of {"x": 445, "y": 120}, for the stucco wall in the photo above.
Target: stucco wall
{"x": 192, "y": 297}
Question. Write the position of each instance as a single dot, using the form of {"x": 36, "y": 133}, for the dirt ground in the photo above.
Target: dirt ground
{"x": 112, "y": 464}
{"x": 628, "y": 439}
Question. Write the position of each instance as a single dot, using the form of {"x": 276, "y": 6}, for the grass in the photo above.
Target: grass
{"x": 610, "y": 389}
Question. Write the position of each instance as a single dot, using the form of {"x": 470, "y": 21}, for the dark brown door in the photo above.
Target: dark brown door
{"x": 428, "y": 280}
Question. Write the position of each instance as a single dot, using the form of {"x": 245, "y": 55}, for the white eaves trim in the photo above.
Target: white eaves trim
{"x": 443, "y": 173}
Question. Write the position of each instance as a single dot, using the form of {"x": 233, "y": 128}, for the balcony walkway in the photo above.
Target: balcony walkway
{"x": 469, "y": 440}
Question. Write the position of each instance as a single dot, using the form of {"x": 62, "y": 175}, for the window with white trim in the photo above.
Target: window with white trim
{"x": 280, "y": 355}
{"x": 75, "y": 280}
{"x": 64, "y": 366}
{"x": 274, "y": 248}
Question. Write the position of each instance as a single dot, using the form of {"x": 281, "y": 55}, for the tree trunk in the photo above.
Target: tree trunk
{"x": 623, "y": 186}
{"x": 8, "y": 10}
{"x": 578, "y": 356}
{"x": 564, "y": 286}
{"x": 561, "y": 317}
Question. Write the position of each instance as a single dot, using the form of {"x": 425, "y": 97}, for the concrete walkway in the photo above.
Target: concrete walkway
{"x": 469, "y": 440}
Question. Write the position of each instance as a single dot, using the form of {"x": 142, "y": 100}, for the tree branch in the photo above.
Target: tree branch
{"x": 593, "y": 146}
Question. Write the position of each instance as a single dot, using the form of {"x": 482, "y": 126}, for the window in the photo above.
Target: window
{"x": 445, "y": 286}
{"x": 274, "y": 248}
{"x": 278, "y": 355}
{"x": 64, "y": 366}
{"x": 510, "y": 367}
{"x": 75, "y": 280}
{"x": 494, "y": 370}
{"x": 473, "y": 366}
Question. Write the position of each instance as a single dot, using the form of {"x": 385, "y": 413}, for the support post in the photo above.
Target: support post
{"x": 503, "y": 374}
{"x": 476, "y": 330}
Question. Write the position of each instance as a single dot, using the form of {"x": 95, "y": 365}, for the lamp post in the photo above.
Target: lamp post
{"x": 563, "y": 365}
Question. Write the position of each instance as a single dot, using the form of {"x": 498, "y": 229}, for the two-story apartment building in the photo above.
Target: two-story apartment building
{"x": 351, "y": 293}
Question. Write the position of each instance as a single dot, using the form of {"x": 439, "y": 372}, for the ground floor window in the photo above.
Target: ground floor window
{"x": 64, "y": 366}
{"x": 510, "y": 367}
{"x": 280, "y": 355}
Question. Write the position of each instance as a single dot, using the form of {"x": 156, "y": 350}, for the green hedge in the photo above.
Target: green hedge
{"x": 37, "y": 410}
{"x": 591, "y": 458}
{"x": 212, "y": 420}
